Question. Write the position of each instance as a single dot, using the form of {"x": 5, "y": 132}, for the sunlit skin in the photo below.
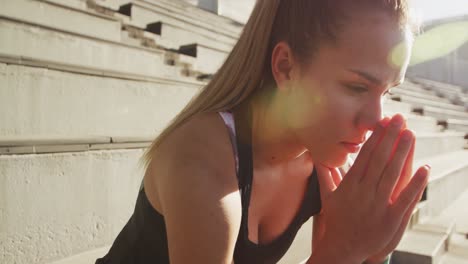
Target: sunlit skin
{"x": 336, "y": 98}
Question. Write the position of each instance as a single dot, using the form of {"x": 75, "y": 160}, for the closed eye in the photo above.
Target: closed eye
{"x": 357, "y": 88}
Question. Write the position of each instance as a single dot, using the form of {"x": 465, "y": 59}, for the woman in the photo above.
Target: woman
{"x": 237, "y": 173}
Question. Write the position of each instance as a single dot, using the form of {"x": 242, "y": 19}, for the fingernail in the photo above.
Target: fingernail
{"x": 428, "y": 166}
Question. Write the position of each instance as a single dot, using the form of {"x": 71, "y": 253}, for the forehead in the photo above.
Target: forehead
{"x": 373, "y": 42}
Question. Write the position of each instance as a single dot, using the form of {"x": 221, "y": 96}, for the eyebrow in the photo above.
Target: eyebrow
{"x": 369, "y": 77}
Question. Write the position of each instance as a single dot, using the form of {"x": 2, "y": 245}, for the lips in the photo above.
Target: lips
{"x": 352, "y": 147}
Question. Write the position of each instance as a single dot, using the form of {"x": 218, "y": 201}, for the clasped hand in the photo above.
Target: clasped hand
{"x": 365, "y": 213}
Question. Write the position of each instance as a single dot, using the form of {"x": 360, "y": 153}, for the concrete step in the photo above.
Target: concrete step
{"x": 409, "y": 84}
{"x": 441, "y": 114}
{"x": 427, "y": 95}
{"x": 139, "y": 37}
{"x": 420, "y": 102}
{"x": 14, "y": 145}
{"x": 458, "y": 245}
{"x": 197, "y": 15}
{"x": 85, "y": 257}
{"x": 173, "y": 37}
{"x": 422, "y": 124}
{"x": 432, "y": 144}
{"x": 208, "y": 60}
{"x": 452, "y": 92}
{"x": 196, "y": 57}
{"x": 60, "y": 205}
{"x": 435, "y": 85}
{"x": 425, "y": 242}
{"x": 446, "y": 183}
{"x": 62, "y": 18}
{"x": 44, "y": 44}
{"x": 109, "y": 4}
{"x": 450, "y": 258}
{"x": 391, "y": 107}
{"x": 174, "y": 27}
{"x": 78, "y": 4}
{"x": 459, "y": 211}
{"x": 436, "y": 226}
{"x": 51, "y": 102}
{"x": 420, "y": 247}
{"x": 457, "y": 125}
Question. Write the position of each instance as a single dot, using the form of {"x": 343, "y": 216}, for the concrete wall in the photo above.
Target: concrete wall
{"x": 58, "y": 205}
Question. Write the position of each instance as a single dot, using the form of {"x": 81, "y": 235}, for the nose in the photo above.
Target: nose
{"x": 370, "y": 115}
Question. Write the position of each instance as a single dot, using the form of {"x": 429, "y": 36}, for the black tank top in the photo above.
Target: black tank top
{"x": 143, "y": 239}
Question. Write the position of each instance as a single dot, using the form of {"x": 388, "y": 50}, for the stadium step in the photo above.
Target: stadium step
{"x": 435, "y": 85}
{"x": 446, "y": 183}
{"x": 422, "y": 124}
{"x": 84, "y": 257}
{"x": 457, "y": 124}
{"x": 403, "y": 90}
{"x": 176, "y": 28}
{"x": 59, "y": 102}
{"x": 193, "y": 14}
{"x": 441, "y": 114}
{"x": 420, "y": 102}
{"x": 458, "y": 245}
{"x": 459, "y": 211}
{"x": 450, "y": 258}
{"x": 432, "y": 144}
{"x": 38, "y": 43}
{"x": 420, "y": 247}
{"x": 208, "y": 60}
{"x": 62, "y": 18}
{"x": 391, "y": 107}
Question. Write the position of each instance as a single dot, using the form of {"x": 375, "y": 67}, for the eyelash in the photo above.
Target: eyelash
{"x": 361, "y": 89}
{"x": 389, "y": 93}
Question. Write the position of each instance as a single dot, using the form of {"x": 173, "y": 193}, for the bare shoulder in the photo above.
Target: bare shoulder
{"x": 193, "y": 174}
{"x": 202, "y": 143}
{"x": 200, "y": 146}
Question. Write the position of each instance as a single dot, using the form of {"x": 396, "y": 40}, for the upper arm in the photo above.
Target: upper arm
{"x": 200, "y": 202}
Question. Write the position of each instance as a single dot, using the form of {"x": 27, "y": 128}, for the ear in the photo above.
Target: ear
{"x": 282, "y": 62}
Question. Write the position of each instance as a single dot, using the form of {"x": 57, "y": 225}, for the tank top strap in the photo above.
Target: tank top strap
{"x": 243, "y": 118}
{"x": 228, "y": 119}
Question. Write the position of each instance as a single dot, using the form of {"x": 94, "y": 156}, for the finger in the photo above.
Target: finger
{"x": 406, "y": 173}
{"x": 325, "y": 179}
{"x": 404, "y": 223}
{"x": 410, "y": 210}
{"x": 382, "y": 152}
{"x": 360, "y": 163}
{"x": 385, "y": 121}
{"x": 395, "y": 166}
{"x": 414, "y": 188}
{"x": 336, "y": 175}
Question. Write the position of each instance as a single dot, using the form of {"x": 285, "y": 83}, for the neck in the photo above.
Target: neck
{"x": 273, "y": 143}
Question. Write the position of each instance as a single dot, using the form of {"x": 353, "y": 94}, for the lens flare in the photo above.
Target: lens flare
{"x": 439, "y": 41}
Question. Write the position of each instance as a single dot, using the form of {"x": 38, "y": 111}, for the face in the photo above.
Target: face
{"x": 337, "y": 98}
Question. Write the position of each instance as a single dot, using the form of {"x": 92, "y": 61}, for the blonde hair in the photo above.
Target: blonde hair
{"x": 247, "y": 70}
